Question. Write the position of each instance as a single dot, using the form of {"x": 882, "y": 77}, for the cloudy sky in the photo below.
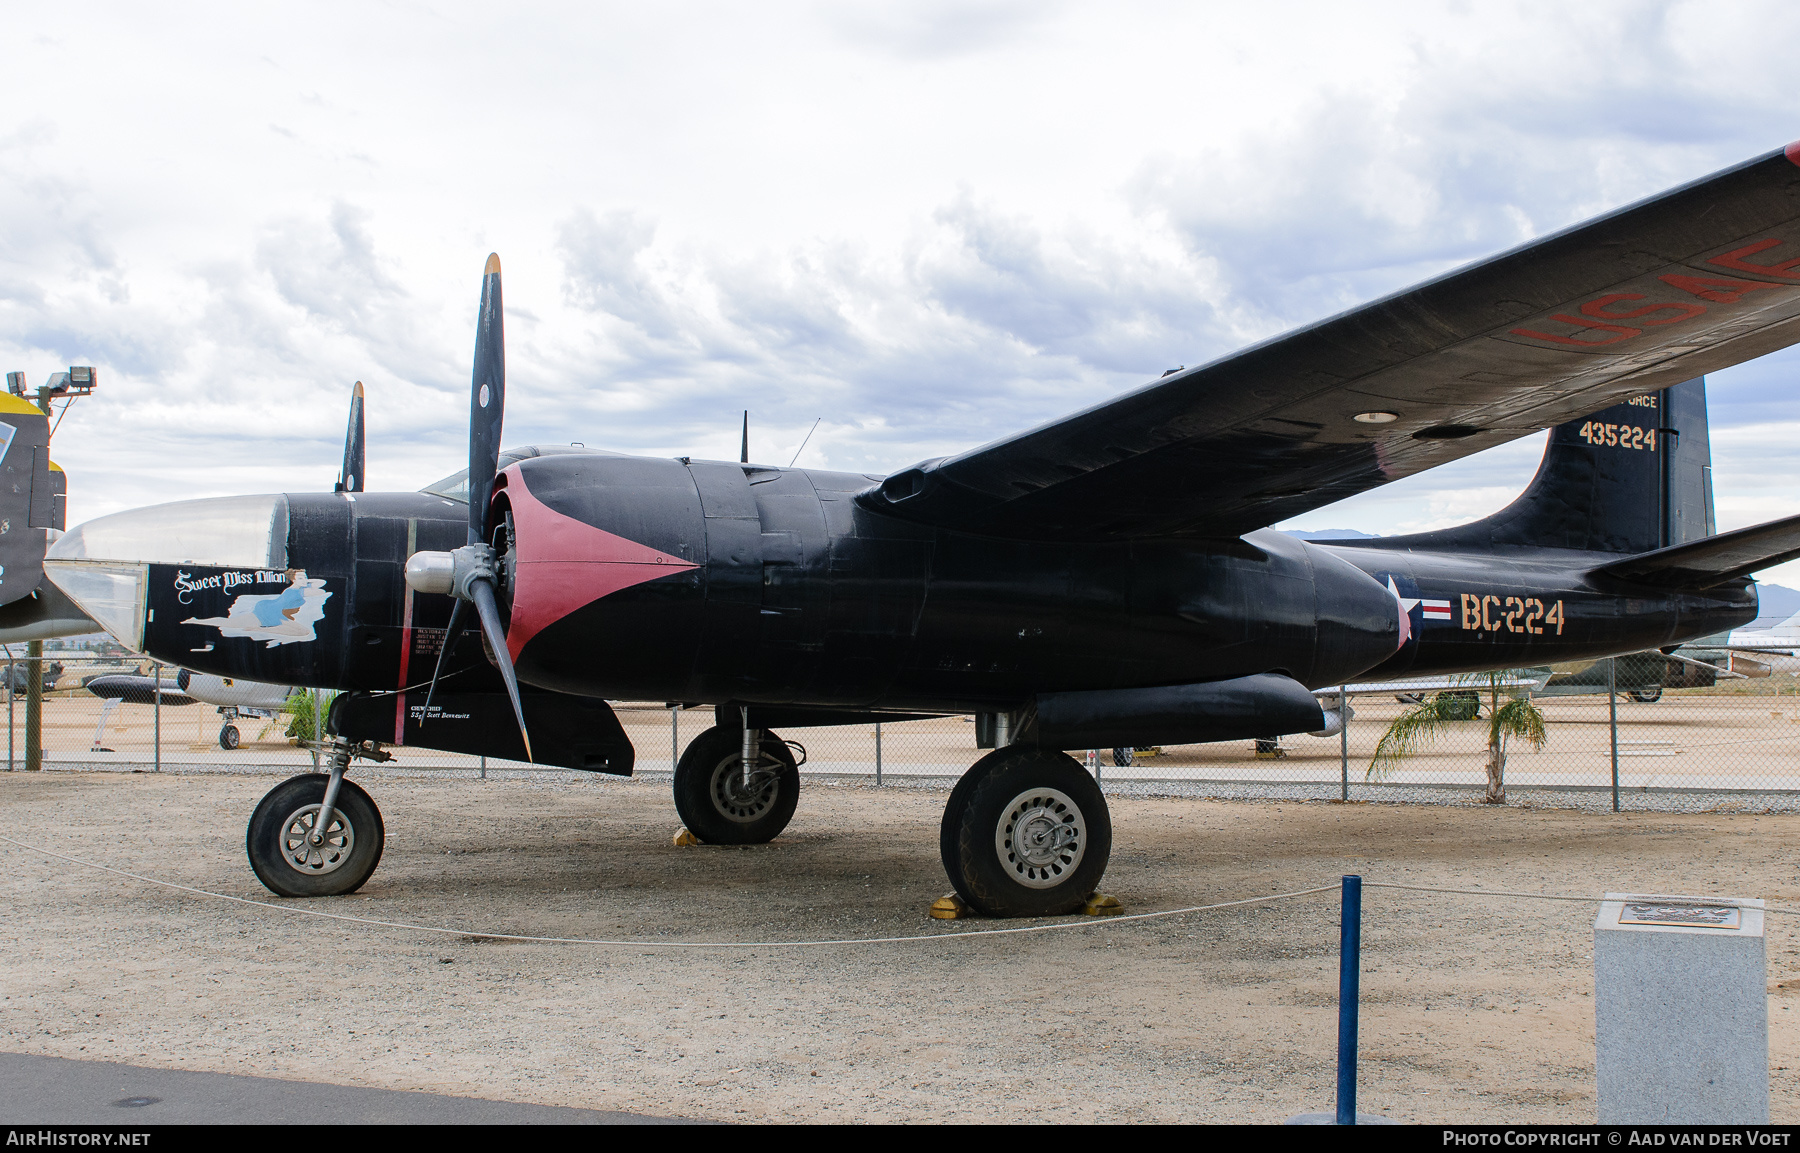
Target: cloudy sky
{"x": 928, "y": 223}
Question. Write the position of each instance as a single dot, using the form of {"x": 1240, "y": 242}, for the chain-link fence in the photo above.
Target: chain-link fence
{"x": 1738, "y": 736}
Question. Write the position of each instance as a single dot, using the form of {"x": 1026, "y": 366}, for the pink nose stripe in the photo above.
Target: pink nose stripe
{"x": 564, "y": 565}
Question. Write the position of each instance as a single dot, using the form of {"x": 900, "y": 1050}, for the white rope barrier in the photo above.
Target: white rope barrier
{"x": 1084, "y": 923}
{"x": 1546, "y": 896}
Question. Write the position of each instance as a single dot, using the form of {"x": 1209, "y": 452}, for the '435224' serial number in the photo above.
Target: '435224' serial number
{"x": 1619, "y": 435}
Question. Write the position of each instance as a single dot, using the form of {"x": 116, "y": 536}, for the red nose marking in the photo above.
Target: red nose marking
{"x": 564, "y": 565}
{"x": 1792, "y": 152}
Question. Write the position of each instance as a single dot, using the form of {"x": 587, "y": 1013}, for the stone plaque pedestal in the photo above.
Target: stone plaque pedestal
{"x": 1681, "y": 1017}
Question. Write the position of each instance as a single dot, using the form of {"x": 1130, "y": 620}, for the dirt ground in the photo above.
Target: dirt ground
{"x": 1474, "y": 1009}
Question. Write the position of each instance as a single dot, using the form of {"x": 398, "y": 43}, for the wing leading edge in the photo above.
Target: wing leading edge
{"x": 1696, "y": 279}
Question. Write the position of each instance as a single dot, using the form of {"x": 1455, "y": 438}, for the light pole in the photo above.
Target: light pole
{"x": 73, "y": 384}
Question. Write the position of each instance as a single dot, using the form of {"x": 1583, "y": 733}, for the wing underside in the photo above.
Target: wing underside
{"x": 1687, "y": 282}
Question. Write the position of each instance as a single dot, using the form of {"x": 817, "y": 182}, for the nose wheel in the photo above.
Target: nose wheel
{"x": 1026, "y": 833}
{"x": 296, "y": 855}
{"x": 318, "y": 835}
{"x": 722, "y": 804}
{"x": 229, "y": 737}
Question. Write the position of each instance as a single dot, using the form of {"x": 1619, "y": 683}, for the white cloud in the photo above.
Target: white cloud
{"x": 930, "y": 224}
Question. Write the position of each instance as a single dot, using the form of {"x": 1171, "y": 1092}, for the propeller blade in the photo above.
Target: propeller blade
{"x": 487, "y": 401}
{"x": 744, "y": 452}
{"x": 483, "y": 593}
{"x": 458, "y": 609}
{"x": 350, "y": 477}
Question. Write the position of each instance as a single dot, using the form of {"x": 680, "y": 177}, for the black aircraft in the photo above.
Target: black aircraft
{"x": 1104, "y": 580}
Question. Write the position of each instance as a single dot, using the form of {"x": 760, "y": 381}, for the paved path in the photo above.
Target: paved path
{"x": 53, "y": 1091}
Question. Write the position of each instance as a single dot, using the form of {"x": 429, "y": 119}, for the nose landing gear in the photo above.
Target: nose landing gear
{"x": 317, "y": 835}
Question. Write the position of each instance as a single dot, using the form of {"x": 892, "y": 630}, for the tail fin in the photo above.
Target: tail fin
{"x": 1629, "y": 479}
{"x": 32, "y": 492}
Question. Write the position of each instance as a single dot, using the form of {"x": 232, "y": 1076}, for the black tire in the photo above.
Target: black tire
{"x": 710, "y": 797}
{"x": 984, "y": 810}
{"x": 1122, "y": 758}
{"x": 282, "y": 806}
{"x": 1462, "y": 705}
{"x": 229, "y": 737}
{"x": 1647, "y": 696}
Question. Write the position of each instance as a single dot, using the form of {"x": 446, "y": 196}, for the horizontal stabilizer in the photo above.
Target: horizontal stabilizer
{"x": 1714, "y": 560}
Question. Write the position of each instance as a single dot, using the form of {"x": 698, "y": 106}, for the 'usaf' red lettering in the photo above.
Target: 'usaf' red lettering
{"x": 1717, "y": 289}
{"x": 1735, "y": 260}
{"x": 1598, "y": 308}
{"x": 1596, "y": 313}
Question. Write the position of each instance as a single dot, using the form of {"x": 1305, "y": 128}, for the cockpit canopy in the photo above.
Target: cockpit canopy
{"x": 456, "y": 485}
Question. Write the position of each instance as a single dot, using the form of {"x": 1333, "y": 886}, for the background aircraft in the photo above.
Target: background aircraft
{"x": 234, "y": 698}
{"x": 1105, "y": 580}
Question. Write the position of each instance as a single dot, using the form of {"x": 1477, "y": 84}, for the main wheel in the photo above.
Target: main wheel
{"x": 1123, "y": 758}
{"x": 1460, "y": 704}
{"x": 229, "y": 737}
{"x": 280, "y": 839}
{"x": 719, "y": 806}
{"x": 1647, "y": 696}
{"x": 1026, "y": 833}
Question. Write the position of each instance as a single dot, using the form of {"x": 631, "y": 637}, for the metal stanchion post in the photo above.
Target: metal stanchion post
{"x": 878, "y": 754}
{"x": 12, "y": 673}
{"x": 1612, "y": 708}
{"x": 484, "y": 768}
{"x": 1349, "y": 990}
{"x": 156, "y": 673}
{"x": 674, "y": 736}
{"x": 1344, "y": 741}
{"x": 34, "y": 706}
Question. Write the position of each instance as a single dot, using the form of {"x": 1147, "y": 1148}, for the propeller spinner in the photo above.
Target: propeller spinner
{"x": 470, "y": 573}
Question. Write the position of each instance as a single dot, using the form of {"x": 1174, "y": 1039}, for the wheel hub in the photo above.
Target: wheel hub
{"x": 335, "y": 841}
{"x": 743, "y": 801}
{"x": 1041, "y": 837}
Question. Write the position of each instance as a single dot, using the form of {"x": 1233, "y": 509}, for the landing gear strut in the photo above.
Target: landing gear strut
{"x": 1026, "y": 833}
{"x": 317, "y": 835}
{"x": 726, "y": 797}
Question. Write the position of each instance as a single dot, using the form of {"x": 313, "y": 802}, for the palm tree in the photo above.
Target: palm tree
{"x": 306, "y": 716}
{"x": 1430, "y": 719}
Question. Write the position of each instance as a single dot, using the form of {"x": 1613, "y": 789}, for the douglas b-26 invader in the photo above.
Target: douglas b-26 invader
{"x": 1104, "y": 580}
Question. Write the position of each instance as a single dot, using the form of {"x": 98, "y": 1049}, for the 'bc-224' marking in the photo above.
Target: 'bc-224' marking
{"x": 1496, "y": 614}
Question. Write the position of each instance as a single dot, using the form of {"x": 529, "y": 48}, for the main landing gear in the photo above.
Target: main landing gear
{"x": 317, "y": 835}
{"x": 1026, "y": 833}
{"x": 737, "y": 786}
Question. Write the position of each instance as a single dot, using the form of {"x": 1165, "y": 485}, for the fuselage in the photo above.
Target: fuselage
{"x": 681, "y": 580}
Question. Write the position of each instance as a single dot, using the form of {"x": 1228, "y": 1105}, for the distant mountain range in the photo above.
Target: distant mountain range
{"x": 1775, "y": 602}
{"x": 1330, "y": 534}
{"x": 1774, "y": 605}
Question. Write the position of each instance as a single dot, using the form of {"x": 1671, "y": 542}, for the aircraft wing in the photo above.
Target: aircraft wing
{"x": 1515, "y": 679}
{"x": 1685, "y": 283}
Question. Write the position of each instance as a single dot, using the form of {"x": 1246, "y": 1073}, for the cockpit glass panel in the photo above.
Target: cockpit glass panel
{"x": 453, "y": 487}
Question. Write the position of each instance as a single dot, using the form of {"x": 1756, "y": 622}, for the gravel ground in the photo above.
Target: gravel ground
{"x": 1475, "y": 1009}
